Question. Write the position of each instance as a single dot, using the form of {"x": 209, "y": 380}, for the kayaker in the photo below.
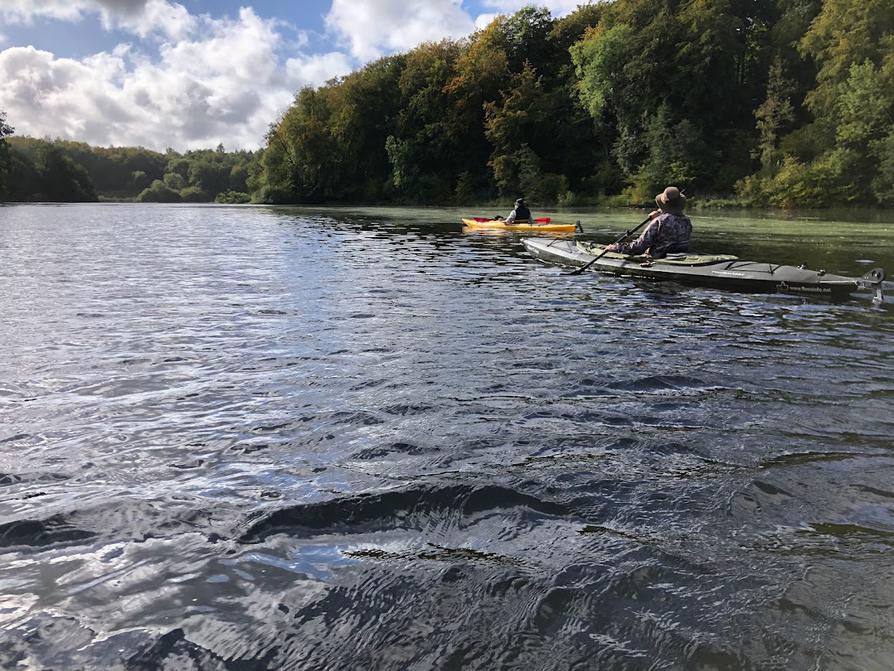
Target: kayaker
{"x": 668, "y": 232}
{"x": 520, "y": 213}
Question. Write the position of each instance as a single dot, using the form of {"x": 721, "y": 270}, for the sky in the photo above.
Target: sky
{"x": 197, "y": 73}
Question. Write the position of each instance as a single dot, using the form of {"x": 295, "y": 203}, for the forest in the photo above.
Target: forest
{"x": 783, "y": 103}
{"x": 63, "y": 171}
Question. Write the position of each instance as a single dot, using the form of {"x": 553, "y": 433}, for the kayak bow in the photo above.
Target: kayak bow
{"x": 718, "y": 271}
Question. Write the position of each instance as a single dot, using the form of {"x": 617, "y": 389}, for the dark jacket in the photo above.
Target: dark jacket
{"x": 520, "y": 213}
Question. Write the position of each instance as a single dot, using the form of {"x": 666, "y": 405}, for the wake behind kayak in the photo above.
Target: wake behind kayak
{"x": 715, "y": 271}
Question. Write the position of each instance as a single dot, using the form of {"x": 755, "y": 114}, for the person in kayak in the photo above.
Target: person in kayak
{"x": 668, "y": 232}
{"x": 520, "y": 213}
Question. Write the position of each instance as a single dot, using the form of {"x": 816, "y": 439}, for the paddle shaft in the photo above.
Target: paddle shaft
{"x": 605, "y": 251}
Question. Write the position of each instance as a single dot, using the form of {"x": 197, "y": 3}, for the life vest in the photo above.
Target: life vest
{"x": 522, "y": 213}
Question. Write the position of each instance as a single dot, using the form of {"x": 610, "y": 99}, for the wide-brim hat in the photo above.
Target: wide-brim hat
{"x": 671, "y": 200}
{"x": 519, "y": 201}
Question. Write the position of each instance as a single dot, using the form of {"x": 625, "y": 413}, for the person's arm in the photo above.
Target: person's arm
{"x": 643, "y": 242}
{"x": 511, "y": 217}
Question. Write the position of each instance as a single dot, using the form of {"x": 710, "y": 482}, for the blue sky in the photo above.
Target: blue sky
{"x": 194, "y": 73}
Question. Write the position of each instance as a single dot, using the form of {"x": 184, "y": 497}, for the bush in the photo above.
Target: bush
{"x": 549, "y": 188}
{"x": 174, "y": 181}
{"x": 158, "y": 192}
{"x": 233, "y": 198}
{"x": 193, "y": 194}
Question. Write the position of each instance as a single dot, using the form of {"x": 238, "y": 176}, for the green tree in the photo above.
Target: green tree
{"x": 5, "y": 130}
{"x": 883, "y": 181}
{"x": 301, "y": 161}
{"x": 193, "y": 194}
{"x": 232, "y": 198}
{"x": 846, "y": 33}
{"x": 209, "y": 173}
{"x": 62, "y": 180}
{"x": 518, "y": 128}
{"x": 178, "y": 165}
{"x": 174, "y": 181}
{"x": 774, "y": 116}
{"x": 600, "y": 59}
{"x": 842, "y": 154}
{"x": 158, "y": 192}
{"x": 422, "y": 152}
{"x": 140, "y": 180}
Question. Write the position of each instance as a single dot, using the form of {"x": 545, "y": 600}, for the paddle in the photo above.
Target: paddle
{"x": 605, "y": 251}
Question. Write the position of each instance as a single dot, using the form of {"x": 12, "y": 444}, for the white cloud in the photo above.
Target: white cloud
{"x": 25, "y": 11}
{"x": 317, "y": 69}
{"x": 226, "y": 86}
{"x": 556, "y": 7}
{"x": 141, "y": 17}
{"x": 483, "y": 20}
{"x": 156, "y": 16}
{"x": 373, "y": 28}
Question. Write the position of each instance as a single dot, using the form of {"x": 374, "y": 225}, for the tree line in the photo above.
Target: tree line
{"x": 780, "y": 102}
{"x": 63, "y": 171}
{"x": 775, "y": 102}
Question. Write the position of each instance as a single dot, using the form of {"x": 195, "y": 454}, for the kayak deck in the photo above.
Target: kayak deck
{"x": 545, "y": 225}
{"x": 722, "y": 272}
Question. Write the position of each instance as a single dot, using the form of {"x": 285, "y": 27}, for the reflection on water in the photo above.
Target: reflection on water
{"x": 252, "y": 438}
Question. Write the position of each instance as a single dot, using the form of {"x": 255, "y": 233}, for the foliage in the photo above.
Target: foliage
{"x": 43, "y": 171}
{"x": 773, "y": 115}
{"x": 599, "y": 60}
{"x": 193, "y": 194}
{"x": 233, "y": 198}
{"x": 158, "y": 192}
{"x": 843, "y": 153}
{"x": 174, "y": 181}
{"x": 123, "y": 172}
{"x": 5, "y": 130}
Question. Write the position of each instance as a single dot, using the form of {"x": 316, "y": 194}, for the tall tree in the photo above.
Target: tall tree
{"x": 423, "y": 153}
{"x": 5, "y": 130}
{"x": 62, "y": 180}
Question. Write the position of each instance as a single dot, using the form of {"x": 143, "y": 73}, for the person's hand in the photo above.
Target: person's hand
{"x": 654, "y": 213}
{"x": 611, "y": 248}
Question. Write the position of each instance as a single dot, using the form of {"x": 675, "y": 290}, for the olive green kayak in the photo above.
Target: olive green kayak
{"x": 718, "y": 271}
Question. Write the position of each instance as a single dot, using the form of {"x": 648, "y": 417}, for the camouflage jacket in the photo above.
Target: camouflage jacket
{"x": 666, "y": 234}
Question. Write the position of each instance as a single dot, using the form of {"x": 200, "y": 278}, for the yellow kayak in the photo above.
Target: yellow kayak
{"x": 544, "y": 224}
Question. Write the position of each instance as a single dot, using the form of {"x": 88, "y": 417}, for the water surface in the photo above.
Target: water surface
{"x": 255, "y": 438}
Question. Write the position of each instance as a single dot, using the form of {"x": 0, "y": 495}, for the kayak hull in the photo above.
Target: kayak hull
{"x": 497, "y": 224}
{"x": 734, "y": 275}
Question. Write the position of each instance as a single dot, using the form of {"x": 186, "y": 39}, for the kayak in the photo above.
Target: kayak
{"x": 717, "y": 271}
{"x": 544, "y": 224}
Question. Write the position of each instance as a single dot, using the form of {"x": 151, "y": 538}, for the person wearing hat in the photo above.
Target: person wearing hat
{"x": 520, "y": 213}
{"x": 668, "y": 232}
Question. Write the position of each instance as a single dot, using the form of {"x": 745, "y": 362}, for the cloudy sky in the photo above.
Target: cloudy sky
{"x": 193, "y": 73}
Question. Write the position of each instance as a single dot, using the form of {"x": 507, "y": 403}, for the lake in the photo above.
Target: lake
{"x": 322, "y": 438}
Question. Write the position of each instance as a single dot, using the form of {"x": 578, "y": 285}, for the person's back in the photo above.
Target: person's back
{"x": 669, "y": 231}
{"x": 672, "y": 235}
{"x": 520, "y": 213}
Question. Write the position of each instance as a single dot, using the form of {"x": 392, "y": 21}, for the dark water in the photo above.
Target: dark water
{"x": 245, "y": 438}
